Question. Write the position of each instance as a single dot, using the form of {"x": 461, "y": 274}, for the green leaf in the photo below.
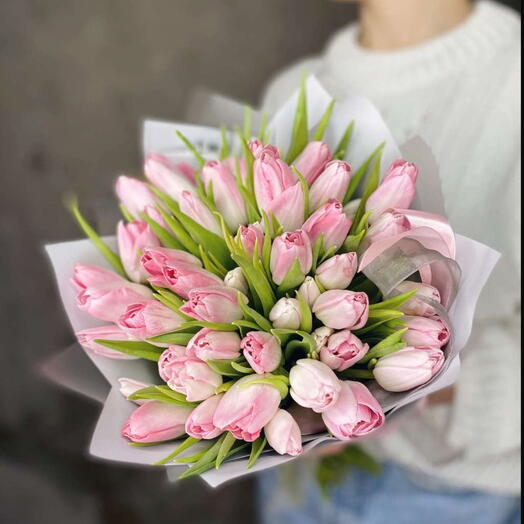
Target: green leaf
{"x": 165, "y": 237}
{"x": 305, "y": 190}
{"x": 352, "y": 242}
{"x": 256, "y": 449}
{"x": 376, "y": 321}
{"x": 174, "y": 338}
{"x": 190, "y": 441}
{"x": 199, "y": 158}
{"x": 224, "y": 387}
{"x": 263, "y": 128}
{"x": 293, "y": 278}
{"x": 161, "y": 394}
{"x": 387, "y": 350}
{"x": 133, "y": 348}
{"x": 225, "y": 150}
{"x": 300, "y": 134}
{"x": 363, "y": 374}
{"x": 251, "y": 314}
{"x": 363, "y": 223}
{"x": 224, "y": 449}
{"x": 279, "y": 382}
{"x": 72, "y": 205}
{"x": 245, "y": 370}
{"x": 266, "y": 246}
{"x": 393, "y": 339}
{"x": 395, "y": 302}
{"x": 324, "y": 121}
{"x": 169, "y": 295}
{"x": 342, "y": 147}
{"x": 125, "y": 213}
{"x": 316, "y": 250}
{"x": 306, "y": 317}
{"x": 215, "y": 326}
{"x": 223, "y": 367}
{"x": 210, "y": 265}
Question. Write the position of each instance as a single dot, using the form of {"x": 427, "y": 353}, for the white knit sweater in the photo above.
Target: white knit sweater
{"x": 461, "y": 93}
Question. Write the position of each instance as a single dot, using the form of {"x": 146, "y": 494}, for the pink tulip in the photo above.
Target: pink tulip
{"x": 340, "y": 309}
{"x": 329, "y": 221}
{"x": 156, "y": 422}
{"x": 396, "y": 190}
{"x": 283, "y": 434}
{"x": 133, "y": 238}
{"x": 249, "y": 236}
{"x": 128, "y": 386}
{"x": 331, "y": 184}
{"x": 313, "y": 160}
{"x": 313, "y": 385}
{"x": 87, "y": 339}
{"x": 195, "y": 209}
{"x": 285, "y": 250}
{"x": 424, "y": 331}
{"x": 187, "y": 374}
{"x": 246, "y": 408}
{"x": 148, "y": 319}
{"x": 262, "y": 351}
{"x": 337, "y": 272}
{"x": 235, "y": 279}
{"x": 408, "y": 368}
{"x": 165, "y": 175}
{"x": 387, "y": 225}
{"x": 213, "y": 304}
{"x": 288, "y": 208}
{"x": 182, "y": 278}
{"x": 134, "y": 195}
{"x": 104, "y": 294}
{"x": 227, "y": 197}
{"x": 342, "y": 350}
{"x": 321, "y": 336}
{"x": 215, "y": 345}
{"x": 309, "y": 291}
{"x": 200, "y": 422}
{"x": 285, "y": 314}
{"x": 257, "y": 148}
{"x": 154, "y": 214}
{"x": 416, "y": 306}
{"x": 356, "y": 413}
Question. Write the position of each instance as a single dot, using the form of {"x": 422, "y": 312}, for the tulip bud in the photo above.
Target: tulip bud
{"x": 194, "y": 208}
{"x": 155, "y": 260}
{"x": 188, "y": 375}
{"x": 342, "y": 350}
{"x": 128, "y": 386}
{"x": 156, "y": 422}
{"x": 329, "y": 221}
{"x": 87, "y": 339}
{"x": 214, "y": 345}
{"x": 149, "y": 319}
{"x": 249, "y": 236}
{"x": 134, "y": 195}
{"x": 166, "y": 176}
{"x": 313, "y": 160}
{"x": 200, "y": 422}
{"x": 283, "y": 434}
{"x": 337, "y": 272}
{"x": 285, "y": 314}
{"x": 213, "y": 304}
{"x": 424, "y": 331}
{"x": 321, "y": 336}
{"x": 226, "y": 195}
{"x": 408, "y": 368}
{"x": 331, "y": 184}
{"x": 389, "y": 224}
{"x": 339, "y": 309}
{"x": 182, "y": 278}
{"x": 313, "y": 385}
{"x": 257, "y": 148}
{"x": 396, "y": 190}
{"x": 262, "y": 351}
{"x": 104, "y": 294}
{"x": 246, "y": 408}
{"x": 288, "y": 248}
{"x": 235, "y": 279}
{"x": 133, "y": 238}
{"x": 288, "y": 207}
{"x": 351, "y": 208}
{"x": 309, "y": 291}
{"x": 416, "y": 306}
{"x": 356, "y": 413}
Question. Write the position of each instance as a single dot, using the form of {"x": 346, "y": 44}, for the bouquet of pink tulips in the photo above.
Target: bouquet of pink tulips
{"x": 274, "y": 294}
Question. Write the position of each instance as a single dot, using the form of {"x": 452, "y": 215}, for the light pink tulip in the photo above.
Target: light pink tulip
{"x": 226, "y": 195}
{"x": 309, "y": 291}
{"x": 182, "y": 278}
{"x": 424, "y": 331}
{"x": 331, "y": 184}
{"x": 249, "y": 236}
{"x": 194, "y": 208}
{"x": 356, "y": 413}
{"x": 340, "y": 309}
{"x": 262, "y": 351}
{"x": 148, "y": 319}
{"x": 288, "y": 207}
{"x": 200, "y": 422}
{"x": 257, "y": 148}
{"x": 156, "y": 422}
{"x": 187, "y": 374}
{"x": 166, "y": 176}
{"x": 408, "y": 368}
{"x": 235, "y": 279}
{"x": 187, "y": 170}
{"x": 134, "y": 195}
{"x": 128, "y": 386}
{"x": 321, "y": 336}
{"x": 283, "y": 434}
{"x": 388, "y": 224}
{"x": 133, "y": 238}
{"x": 213, "y": 304}
{"x": 396, "y": 190}
{"x": 215, "y": 345}
{"x": 416, "y": 306}
{"x": 313, "y": 385}
{"x": 285, "y": 250}
{"x": 104, "y": 294}
{"x": 246, "y": 408}
{"x": 87, "y": 339}
{"x": 342, "y": 350}
{"x": 154, "y": 214}
{"x": 313, "y": 160}
{"x": 337, "y": 272}
{"x": 329, "y": 221}
{"x": 285, "y": 314}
